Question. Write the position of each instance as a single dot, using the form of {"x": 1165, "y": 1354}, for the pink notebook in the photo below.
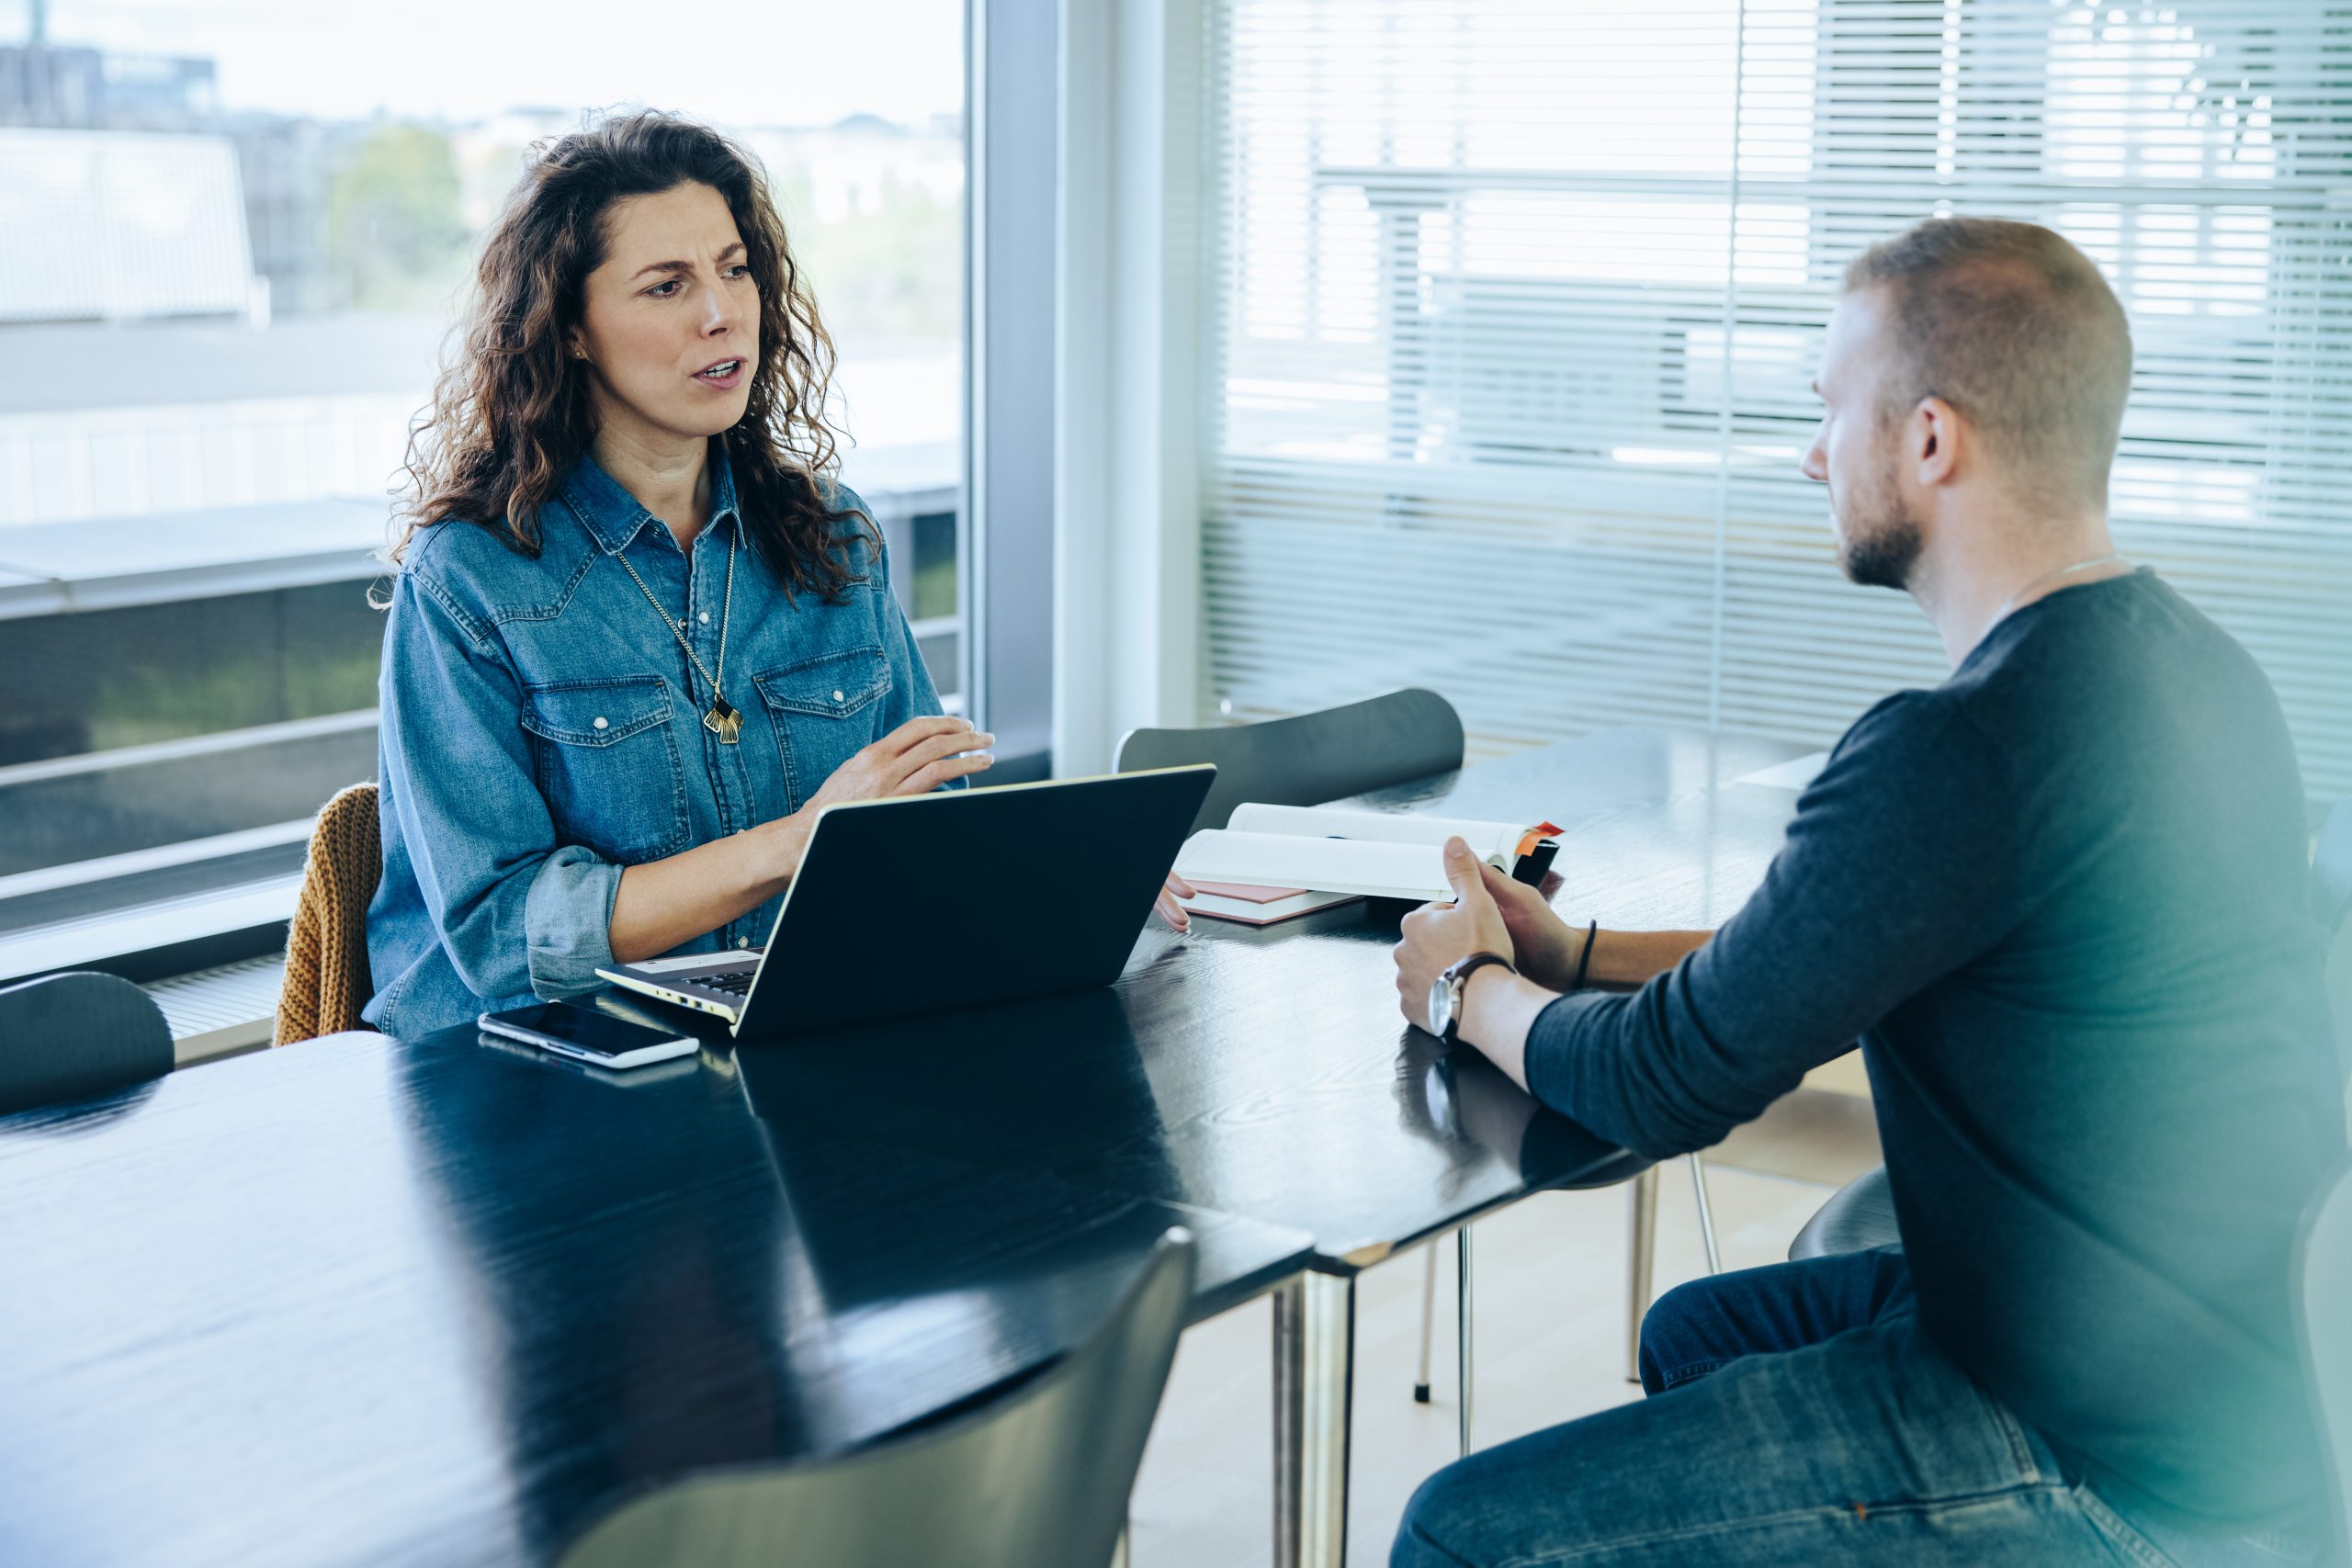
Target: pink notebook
{"x": 1251, "y": 906}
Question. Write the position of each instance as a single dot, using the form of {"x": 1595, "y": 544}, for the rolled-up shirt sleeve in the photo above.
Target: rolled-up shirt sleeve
{"x": 1896, "y": 870}
{"x": 569, "y": 919}
{"x": 515, "y": 910}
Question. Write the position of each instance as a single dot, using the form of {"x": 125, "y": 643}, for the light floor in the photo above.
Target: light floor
{"x": 1550, "y": 1309}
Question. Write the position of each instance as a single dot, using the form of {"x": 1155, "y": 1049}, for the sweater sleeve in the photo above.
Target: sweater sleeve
{"x": 1897, "y": 869}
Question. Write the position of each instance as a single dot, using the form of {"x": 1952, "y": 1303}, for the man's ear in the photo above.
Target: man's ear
{"x": 1936, "y": 439}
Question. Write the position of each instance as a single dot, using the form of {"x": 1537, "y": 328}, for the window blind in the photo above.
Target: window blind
{"x": 1513, "y": 310}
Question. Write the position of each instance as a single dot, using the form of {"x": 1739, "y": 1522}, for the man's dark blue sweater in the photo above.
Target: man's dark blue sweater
{"x": 2061, "y": 901}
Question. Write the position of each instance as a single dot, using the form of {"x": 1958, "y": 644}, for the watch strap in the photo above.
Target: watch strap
{"x": 1457, "y": 979}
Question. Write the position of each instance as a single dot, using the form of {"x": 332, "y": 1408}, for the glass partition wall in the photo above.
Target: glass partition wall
{"x": 1515, "y": 310}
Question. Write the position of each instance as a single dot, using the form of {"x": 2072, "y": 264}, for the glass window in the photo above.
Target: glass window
{"x": 232, "y": 240}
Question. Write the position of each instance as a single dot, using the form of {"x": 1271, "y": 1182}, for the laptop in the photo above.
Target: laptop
{"x": 921, "y": 903}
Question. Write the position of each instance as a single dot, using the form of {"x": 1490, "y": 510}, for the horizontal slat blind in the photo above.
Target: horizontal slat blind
{"x": 1514, "y": 308}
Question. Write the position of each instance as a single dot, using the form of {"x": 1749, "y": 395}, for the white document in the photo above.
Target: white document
{"x": 1495, "y": 842}
{"x": 1378, "y": 854}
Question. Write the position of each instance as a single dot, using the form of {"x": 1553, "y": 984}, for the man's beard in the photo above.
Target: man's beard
{"x": 1878, "y": 542}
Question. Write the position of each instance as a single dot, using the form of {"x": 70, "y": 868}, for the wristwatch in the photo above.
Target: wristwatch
{"x": 1445, "y": 993}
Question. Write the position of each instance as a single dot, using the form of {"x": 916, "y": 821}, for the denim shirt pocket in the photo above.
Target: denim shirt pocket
{"x": 823, "y": 710}
{"x": 607, "y": 761}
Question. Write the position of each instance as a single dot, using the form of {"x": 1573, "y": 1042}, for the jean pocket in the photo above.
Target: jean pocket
{"x": 606, "y": 755}
{"x": 2128, "y": 1544}
{"x": 822, "y": 711}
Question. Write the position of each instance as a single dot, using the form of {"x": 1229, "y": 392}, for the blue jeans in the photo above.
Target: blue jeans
{"x": 1799, "y": 1419}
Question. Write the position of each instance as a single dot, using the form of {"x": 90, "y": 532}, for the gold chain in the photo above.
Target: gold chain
{"x": 721, "y": 720}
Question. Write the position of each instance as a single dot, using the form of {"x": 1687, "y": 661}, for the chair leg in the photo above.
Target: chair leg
{"x": 1641, "y": 1233}
{"x": 1706, "y": 1213}
{"x": 1429, "y": 1320}
{"x": 1462, "y": 1339}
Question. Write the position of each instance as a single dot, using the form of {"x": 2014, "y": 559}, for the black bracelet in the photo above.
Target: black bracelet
{"x": 1591, "y": 934}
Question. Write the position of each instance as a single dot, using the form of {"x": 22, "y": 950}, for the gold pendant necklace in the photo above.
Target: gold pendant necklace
{"x": 721, "y": 718}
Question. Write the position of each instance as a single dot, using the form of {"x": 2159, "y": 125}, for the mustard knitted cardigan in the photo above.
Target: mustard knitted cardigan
{"x": 327, "y": 980}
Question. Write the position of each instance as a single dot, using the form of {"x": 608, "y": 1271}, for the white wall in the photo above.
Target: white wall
{"x": 1127, "y": 515}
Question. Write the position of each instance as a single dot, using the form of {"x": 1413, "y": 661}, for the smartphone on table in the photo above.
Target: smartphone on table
{"x": 583, "y": 1035}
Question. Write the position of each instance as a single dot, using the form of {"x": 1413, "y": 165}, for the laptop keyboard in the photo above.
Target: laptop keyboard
{"x": 735, "y": 984}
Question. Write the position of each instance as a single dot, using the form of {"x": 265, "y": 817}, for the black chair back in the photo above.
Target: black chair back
{"x": 1309, "y": 758}
{"x": 66, "y": 1037}
{"x": 1037, "y": 1479}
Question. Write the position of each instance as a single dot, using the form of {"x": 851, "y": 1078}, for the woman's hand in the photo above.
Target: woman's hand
{"x": 914, "y": 759}
{"x": 1169, "y": 909}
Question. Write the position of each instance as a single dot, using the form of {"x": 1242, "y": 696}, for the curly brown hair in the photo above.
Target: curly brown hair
{"x": 512, "y": 414}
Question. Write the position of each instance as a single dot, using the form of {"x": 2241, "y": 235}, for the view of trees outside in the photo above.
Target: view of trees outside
{"x": 395, "y": 225}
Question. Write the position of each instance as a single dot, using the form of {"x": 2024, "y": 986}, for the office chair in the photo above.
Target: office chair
{"x": 1310, "y": 758}
{"x": 68, "y": 1037}
{"x": 327, "y": 978}
{"x": 1860, "y": 1215}
{"x": 1038, "y": 1477}
{"x": 1331, "y": 754}
{"x": 2323, "y": 1296}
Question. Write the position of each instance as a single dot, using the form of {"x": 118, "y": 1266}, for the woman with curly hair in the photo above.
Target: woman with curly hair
{"x": 639, "y": 633}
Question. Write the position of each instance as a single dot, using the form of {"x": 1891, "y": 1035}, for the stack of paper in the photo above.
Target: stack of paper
{"x": 1253, "y": 906}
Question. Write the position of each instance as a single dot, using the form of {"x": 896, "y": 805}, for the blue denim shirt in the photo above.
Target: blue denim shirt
{"x": 542, "y": 729}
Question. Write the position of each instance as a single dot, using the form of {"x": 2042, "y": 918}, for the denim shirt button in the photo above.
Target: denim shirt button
{"x": 602, "y": 723}
{"x": 705, "y": 617}
{"x": 837, "y": 697}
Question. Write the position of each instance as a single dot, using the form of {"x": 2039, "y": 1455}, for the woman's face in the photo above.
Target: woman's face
{"x": 670, "y": 324}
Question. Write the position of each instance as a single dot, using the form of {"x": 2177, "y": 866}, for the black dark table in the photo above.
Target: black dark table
{"x": 1268, "y": 1073}
{"x": 438, "y": 1301}
{"x": 444, "y": 1302}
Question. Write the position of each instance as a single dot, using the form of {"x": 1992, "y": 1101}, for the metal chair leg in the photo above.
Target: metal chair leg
{"x": 1429, "y": 1320}
{"x": 1706, "y": 1213}
{"x": 1641, "y": 1245}
{"x": 1462, "y": 1340}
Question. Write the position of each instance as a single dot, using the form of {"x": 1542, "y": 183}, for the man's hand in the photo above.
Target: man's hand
{"x": 914, "y": 759}
{"x": 1548, "y": 947}
{"x": 1436, "y": 936}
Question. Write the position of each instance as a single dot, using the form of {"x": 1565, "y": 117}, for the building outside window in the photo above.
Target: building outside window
{"x": 233, "y": 239}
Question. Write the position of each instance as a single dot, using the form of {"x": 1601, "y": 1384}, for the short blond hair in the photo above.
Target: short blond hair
{"x": 2016, "y": 329}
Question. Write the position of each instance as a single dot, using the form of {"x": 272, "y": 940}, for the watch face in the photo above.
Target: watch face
{"x": 1441, "y": 1006}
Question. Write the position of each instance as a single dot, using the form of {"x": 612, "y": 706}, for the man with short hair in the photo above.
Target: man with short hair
{"x": 2060, "y": 900}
